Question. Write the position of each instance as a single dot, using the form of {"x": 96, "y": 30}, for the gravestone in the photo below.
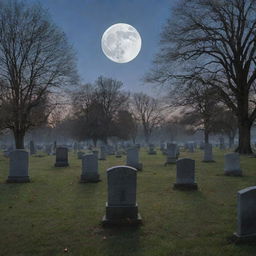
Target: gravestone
{"x": 191, "y": 147}
{"x": 118, "y": 154}
{"x": 61, "y": 157}
{"x": 151, "y": 149}
{"x": 246, "y": 214}
{"x": 18, "y": 170}
{"x": 121, "y": 207}
{"x": 110, "y": 150}
{"x": 232, "y": 164}
{"x": 102, "y": 153}
{"x": 132, "y": 158}
{"x": 185, "y": 174}
{"x": 75, "y": 147}
{"x": 89, "y": 169}
{"x": 202, "y": 145}
{"x": 222, "y": 143}
{"x": 172, "y": 153}
{"x": 80, "y": 154}
{"x": 208, "y": 157}
{"x": 32, "y": 148}
{"x": 48, "y": 149}
{"x": 162, "y": 147}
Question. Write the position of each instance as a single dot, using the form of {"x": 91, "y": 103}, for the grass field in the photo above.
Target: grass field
{"x": 55, "y": 211}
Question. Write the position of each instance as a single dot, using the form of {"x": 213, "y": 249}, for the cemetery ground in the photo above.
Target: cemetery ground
{"x": 55, "y": 211}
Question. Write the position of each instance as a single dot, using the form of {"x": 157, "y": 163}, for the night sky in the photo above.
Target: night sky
{"x": 84, "y": 22}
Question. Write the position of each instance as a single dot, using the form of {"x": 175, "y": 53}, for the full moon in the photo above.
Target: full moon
{"x": 121, "y": 43}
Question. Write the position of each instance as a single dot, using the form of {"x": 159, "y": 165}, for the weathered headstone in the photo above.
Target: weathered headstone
{"x": 18, "y": 170}
{"x": 102, "y": 153}
{"x": 61, "y": 157}
{"x": 185, "y": 174}
{"x": 171, "y": 153}
{"x": 90, "y": 168}
{"x": 191, "y": 147}
{"x": 232, "y": 164}
{"x": 208, "y": 157}
{"x": 32, "y": 148}
{"x": 246, "y": 214}
{"x": 151, "y": 149}
{"x": 121, "y": 207}
{"x": 48, "y": 149}
{"x": 132, "y": 158}
{"x": 162, "y": 147}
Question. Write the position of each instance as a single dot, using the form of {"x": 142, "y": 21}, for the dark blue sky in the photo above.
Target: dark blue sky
{"x": 84, "y": 22}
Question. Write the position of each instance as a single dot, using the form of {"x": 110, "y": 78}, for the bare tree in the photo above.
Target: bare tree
{"x": 214, "y": 41}
{"x": 126, "y": 126}
{"x": 148, "y": 112}
{"x": 200, "y": 106}
{"x": 226, "y": 123}
{"x": 35, "y": 60}
{"x": 96, "y": 108}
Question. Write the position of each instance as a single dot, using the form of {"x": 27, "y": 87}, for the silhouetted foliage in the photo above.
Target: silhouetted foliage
{"x": 35, "y": 60}
{"x": 215, "y": 43}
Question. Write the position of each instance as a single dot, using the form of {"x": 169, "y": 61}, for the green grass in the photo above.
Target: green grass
{"x": 55, "y": 211}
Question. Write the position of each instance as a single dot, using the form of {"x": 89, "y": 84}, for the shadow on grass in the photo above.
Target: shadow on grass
{"x": 122, "y": 241}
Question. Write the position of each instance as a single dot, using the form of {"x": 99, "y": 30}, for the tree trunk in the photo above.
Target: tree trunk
{"x": 244, "y": 131}
{"x": 146, "y": 134}
{"x": 206, "y": 136}
{"x": 19, "y": 139}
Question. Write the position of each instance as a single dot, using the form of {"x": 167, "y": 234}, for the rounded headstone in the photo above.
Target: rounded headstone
{"x": 232, "y": 164}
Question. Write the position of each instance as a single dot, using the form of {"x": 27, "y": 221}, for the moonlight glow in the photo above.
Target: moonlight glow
{"x": 121, "y": 43}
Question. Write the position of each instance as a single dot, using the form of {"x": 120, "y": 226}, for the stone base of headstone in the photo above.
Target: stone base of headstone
{"x": 236, "y": 173}
{"x": 18, "y": 179}
{"x": 121, "y": 215}
{"x": 118, "y": 156}
{"x": 237, "y": 239}
{"x": 86, "y": 179}
{"x": 152, "y": 152}
{"x": 179, "y": 186}
{"x": 61, "y": 164}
